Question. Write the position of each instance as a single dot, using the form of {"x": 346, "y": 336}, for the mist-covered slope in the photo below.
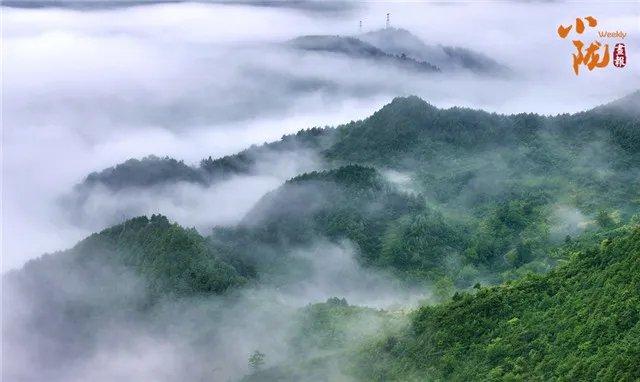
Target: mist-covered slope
{"x": 406, "y": 128}
{"x": 580, "y": 322}
{"x": 628, "y": 105}
{"x": 351, "y": 203}
{"x": 491, "y": 193}
{"x": 168, "y": 259}
{"x": 147, "y": 172}
{"x": 151, "y": 280}
{"x": 401, "y": 48}
{"x": 448, "y": 58}
{"x": 320, "y": 202}
{"x": 355, "y": 48}
{"x": 63, "y": 310}
{"x": 153, "y": 171}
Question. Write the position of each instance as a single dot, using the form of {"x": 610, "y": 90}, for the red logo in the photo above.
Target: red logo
{"x": 620, "y": 55}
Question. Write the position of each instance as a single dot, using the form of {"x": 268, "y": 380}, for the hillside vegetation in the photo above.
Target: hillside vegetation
{"x": 520, "y": 233}
{"x": 580, "y": 322}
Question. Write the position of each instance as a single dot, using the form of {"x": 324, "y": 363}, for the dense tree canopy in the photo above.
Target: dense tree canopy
{"x": 579, "y": 322}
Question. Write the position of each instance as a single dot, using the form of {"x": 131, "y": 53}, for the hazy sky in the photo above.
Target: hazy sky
{"x": 86, "y": 89}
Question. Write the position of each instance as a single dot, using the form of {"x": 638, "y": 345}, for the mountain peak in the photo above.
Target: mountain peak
{"x": 407, "y": 105}
{"x": 352, "y": 175}
{"x": 412, "y": 100}
{"x": 392, "y": 32}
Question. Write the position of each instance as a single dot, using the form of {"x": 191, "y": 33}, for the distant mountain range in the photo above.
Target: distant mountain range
{"x": 448, "y": 58}
{"x": 400, "y": 47}
{"x": 355, "y": 48}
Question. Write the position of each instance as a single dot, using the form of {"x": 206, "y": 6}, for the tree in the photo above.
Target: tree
{"x": 604, "y": 219}
{"x": 444, "y": 288}
{"x": 256, "y": 360}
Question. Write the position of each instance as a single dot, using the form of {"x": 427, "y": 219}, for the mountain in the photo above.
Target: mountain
{"x": 356, "y": 48}
{"x": 401, "y": 48}
{"x": 519, "y": 230}
{"x": 580, "y": 322}
{"x": 153, "y": 171}
{"x": 352, "y": 203}
{"x": 492, "y": 193}
{"x": 61, "y": 308}
{"x": 147, "y": 172}
{"x": 169, "y": 259}
{"x": 501, "y": 190}
{"x": 399, "y": 41}
{"x": 326, "y": 328}
{"x": 403, "y": 126}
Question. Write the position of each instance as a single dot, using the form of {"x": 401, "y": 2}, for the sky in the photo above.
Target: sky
{"x": 84, "y": 89}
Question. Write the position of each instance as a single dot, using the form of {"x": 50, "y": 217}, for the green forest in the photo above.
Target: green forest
{"x": 522, "y": 233}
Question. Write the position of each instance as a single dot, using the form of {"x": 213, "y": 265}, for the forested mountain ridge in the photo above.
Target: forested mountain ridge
{"x": 59, "y": 308}
{"x": 171, "y": 260}
{"x": 401, "y": 48}
{"x": 402, "y": 121}
{"x": 448, "y": 58}
{"x": 501, "y": 189}
{"x": 498, "y": 191}
{"x": 356, "y": 48}
{"x": 409, "y": 122}
{"x": 580, "y": 322}
{"x": 352, "y": 203}
{"x": 151, "y": 171}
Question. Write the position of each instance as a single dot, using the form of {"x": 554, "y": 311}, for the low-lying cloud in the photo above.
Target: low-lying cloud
{"x": 207, "y": 338}
{"x": 198, "y": 205}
